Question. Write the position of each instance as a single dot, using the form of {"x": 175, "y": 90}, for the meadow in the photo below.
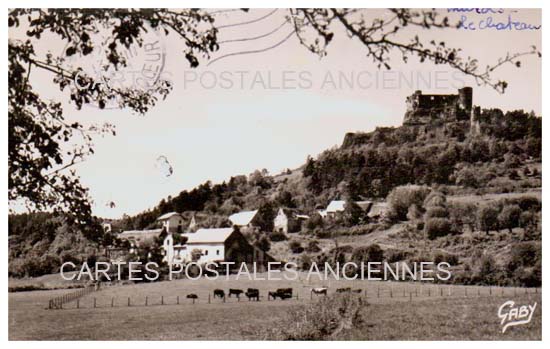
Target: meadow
{"x": 395, "y": 311}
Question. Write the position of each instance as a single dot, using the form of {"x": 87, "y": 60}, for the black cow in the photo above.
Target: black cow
{"x": 282, "y": 293}
{"x": 343, "y": 290}
{"x": 236, "y": 292}
{"x": 192, "y": 296}
{"x": 219, "y": 293}
{"x": 357, "y": 290}
{"x": 253, "y": 293}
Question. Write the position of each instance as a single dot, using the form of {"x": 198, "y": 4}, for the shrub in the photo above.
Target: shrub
{"x": 305, "y": 262}
{"x": 322, "y": 234}
{"x": 509, "y": 217}
{"x": 324, "y": 319}
{"x": 393, "y": 256}
{"x": 263, "y": 243}
{"x": 314, "y": 222}
{"x": 440, "y": 257}
{"x": 487, "y": 218}
{"x": 313, "y": 246}
{"x": 414, "y": 212}
{"x": 296, "y": 247}
{"x": 487, "y": 269}
{"x": 437, "y": 212}
{"x": 294, "y": 225}
{"x": 277, "y": 236}
{"x": 436, "y": 227}
{"x": 371, "y": 253}
{"x": 403, "y": 197}
{"x": 524, "y": 254}
{"x": 435, "y": 198}
{"x": 462, "y": 214}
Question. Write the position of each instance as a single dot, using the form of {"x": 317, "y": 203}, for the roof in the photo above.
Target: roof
{"x": 208, "y": 236}
{"x": 168, "y": 216}
{"x": 378, "y": 209}
{"x": 141, "y": 234}
{"x": 365, "y": 205}
{"x": 336, "y": 206}
{"x": 242, "y": 218}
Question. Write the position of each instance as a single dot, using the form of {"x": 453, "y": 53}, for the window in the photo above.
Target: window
{"x": 217, "y": 252}
{"x": 206, "y": 253}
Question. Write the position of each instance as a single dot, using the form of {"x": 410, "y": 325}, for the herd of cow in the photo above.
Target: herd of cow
{"x": 254, "y": 293}
{"x": 281, "y": 293}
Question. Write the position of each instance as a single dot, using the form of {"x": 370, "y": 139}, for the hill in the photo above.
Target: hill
{"x": 460, "y": 162}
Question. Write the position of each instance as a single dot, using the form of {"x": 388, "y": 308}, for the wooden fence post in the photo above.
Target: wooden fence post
{"x": 378, "y": 292}
{"x": 410, "y": 296}
{"x": 146, "y": 300}
{"x": 161, "y": 300}
{"x": 112, "y": 302}
{"x": 78, "y": 304}
{"x": 128, "y": 301}
{"x": 178, "y": 300}
{"x": 209, "y": 298}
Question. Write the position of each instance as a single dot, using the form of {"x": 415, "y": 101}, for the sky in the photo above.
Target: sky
{"x": 274, "y": 107}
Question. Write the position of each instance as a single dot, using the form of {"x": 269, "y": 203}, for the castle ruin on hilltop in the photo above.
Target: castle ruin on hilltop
{"x": 423, "y": 109}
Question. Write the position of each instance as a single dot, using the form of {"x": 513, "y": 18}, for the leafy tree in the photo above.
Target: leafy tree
{"x": 263, "y": 243}
{"x": 437, "y": 226}
{"x": 371, "y": 253}
{"x": 285, "y": 199}
{"x": 265, "y": 216}
{"x": 487, "y": 218}
{"x": 403, "y": 197}
{"x": 295, "y": 246}
{"x": 509, "y": 217}
{"x": 353, "y": 214}
{"x": 40, "y": 170}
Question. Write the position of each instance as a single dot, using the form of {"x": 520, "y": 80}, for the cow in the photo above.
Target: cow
{"x": 219, "y": 293}
{"x": 192, "y": 296}
{"x": 319, "y": 290}
{"x": 236, "y": 292}
{"x": 357, "y": 290}
{"x": 253, "y": 293}
{"x": 282, "y": 293}
{"x": 343, "y": 290}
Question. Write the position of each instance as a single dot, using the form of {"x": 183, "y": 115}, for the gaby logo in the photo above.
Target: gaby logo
{"x": 512, "y": 315}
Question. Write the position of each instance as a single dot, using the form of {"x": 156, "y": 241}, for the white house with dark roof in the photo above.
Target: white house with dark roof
{"x": 214, "y": 245}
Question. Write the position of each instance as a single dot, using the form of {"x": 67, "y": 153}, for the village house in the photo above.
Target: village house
{"x": 214, "y": 245}
{"x": 138, "y": 237}
{"x": 285, "y": 217}
{"x": 172, "y": 221}
{"x": 336, "y": 208}
{"x": 244, "y": 220}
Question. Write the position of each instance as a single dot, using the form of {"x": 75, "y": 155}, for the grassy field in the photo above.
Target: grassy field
{"x": 398, "y": 311}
